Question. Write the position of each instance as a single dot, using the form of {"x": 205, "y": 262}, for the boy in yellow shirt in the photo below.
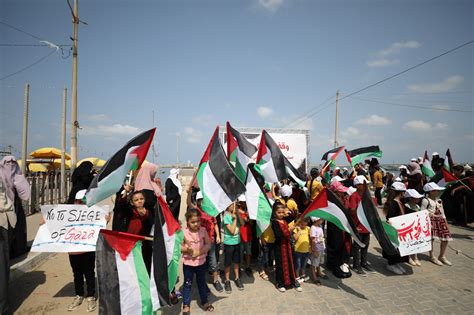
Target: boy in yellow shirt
{"x": 302, "y": 248}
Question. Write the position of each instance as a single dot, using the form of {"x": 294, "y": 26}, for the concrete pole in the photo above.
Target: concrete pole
{"x": 63, "y": 148}
{"x": 336, "y": 144}
{"x": 74, "y": 123}
{"x": 24, "y": 146}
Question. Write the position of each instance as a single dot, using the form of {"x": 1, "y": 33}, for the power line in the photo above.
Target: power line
{"x": 31, "y": 45}
{"x": 395, "y": 75}
{"x": 20, "y": 30}
{"x": 413, "y": 106}
{"x": 29, "y": 66}
{"x": 302, "y": 117}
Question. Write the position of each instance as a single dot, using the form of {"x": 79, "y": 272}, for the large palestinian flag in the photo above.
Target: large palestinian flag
{"x": 111, "y": 176}
{"x": 426, "y": 168}
{"x": 359, "y": 155}
{"x": 332, "y": 154}
{"x": 167, "y": 240}
{"x": 239, "y": 151}
{"x": 273, "y": 165}
{"x": 328, "y": 207}
{"x": 258, "y": 205}
{"x": 219, "y": 185}
{"x": 386, "y": 235}
{"x": 124, "y": 283}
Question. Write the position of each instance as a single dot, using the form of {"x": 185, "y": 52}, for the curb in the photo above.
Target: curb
{"x": 30, "y": 263}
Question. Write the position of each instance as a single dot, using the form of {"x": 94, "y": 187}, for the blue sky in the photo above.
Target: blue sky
{"x": 256, "y": 63}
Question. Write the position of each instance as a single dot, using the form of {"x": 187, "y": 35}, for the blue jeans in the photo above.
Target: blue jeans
{"x": 300, "y": 260}
{"x": 189, "y": 272}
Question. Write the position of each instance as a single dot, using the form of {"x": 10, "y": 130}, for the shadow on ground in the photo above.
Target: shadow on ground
{"x": 17, "y": 295}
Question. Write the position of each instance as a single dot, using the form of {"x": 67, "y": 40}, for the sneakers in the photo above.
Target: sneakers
{"x": 435, "y": 261}
{"x": 394, "y": 269}
{"x": 299, "y": 289}
{"x": 282, "y": 289}
{"x": 445, "y": 261}
{"x": 239, "y": 284}
{"x": 91, "y": 303}
{"x": 307, "y": 278}
{"x": 300, "y": 279}
{"x": 360, "y": 272}
{"x": 227, "y": 287}
{"x": 218, "y": 286}
{"x": 75, "y": 303}
{"x": 368, "y": 268}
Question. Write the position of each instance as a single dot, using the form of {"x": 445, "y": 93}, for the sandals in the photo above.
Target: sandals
{"x": 208, "y": 307}
{"x": 263, "y": 275}
{"x": 188, "y": 312}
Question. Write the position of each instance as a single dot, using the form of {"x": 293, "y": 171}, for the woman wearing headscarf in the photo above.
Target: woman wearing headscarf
{"x": 81, "y": 179}
{"x": 415, "y": 178}
{"x": 173, "y": 192}
{"x": 13, "y": 188}
{"x": 145, "y": 182}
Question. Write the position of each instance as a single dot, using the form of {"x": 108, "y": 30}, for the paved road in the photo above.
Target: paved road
{"x": 429, "y": 289}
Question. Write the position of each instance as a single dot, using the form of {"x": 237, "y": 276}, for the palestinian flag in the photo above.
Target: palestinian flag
{"x": 386, "y": 235}
{"x": 270, "y": 159}
{"x": 124, "y": 283}
{"x": 359, "y": 155}
{"x": 239, "y": 151}
{"x": 167, "y": 239}
{"x": 292, "y": 172}
{"x": 258, "y": 205}
{"x": 325, "y": 170}
{"x": 112, "y": 175}
{"x": 332, "y": 154}
{"x": 448, "y": 178}
{"x": 328, "y": 207}
{"x": 219, "y": 185}
{"x": 426, "y": 167}
{"x": 448, "y": 161}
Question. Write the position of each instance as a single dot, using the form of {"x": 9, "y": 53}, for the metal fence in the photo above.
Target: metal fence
{"x": 46, "y": 189}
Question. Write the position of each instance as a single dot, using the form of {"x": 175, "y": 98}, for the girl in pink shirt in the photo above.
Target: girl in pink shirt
{"x": 194, "y": 248}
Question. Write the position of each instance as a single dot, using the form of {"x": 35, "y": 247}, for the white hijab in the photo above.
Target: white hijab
{"x": 174, "y": 172}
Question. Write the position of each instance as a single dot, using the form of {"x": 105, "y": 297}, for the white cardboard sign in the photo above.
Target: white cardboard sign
{"x": 414, "y": 232}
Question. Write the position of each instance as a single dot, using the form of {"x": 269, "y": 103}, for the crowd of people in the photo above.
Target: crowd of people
{"x": 291, "y": 251}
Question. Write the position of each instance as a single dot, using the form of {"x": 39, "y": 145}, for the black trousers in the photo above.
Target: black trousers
{"x": 4, "y": 269}
{"x": 378, "y": 195}
{"x": 360, "y": 254}
{"x": 83, "y": 266}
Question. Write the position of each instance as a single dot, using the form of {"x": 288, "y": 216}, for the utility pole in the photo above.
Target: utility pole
{"x": 24, "y": 148}
{"x": 177, "y": 148}
{"x": 74, "y": 122}
{"x": 63, "y": 148}
{"x": 336, "y": 144}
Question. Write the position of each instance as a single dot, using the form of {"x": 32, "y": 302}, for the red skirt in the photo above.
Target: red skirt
{"x": 440, "y": 229}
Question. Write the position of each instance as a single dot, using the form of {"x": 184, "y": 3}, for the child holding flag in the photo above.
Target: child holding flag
{"x": 194, "y": 248}
{"x": 232, "y": 223}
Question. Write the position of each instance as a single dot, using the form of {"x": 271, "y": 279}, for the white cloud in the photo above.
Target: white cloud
{"x": 374, "y": 120}
{"x": 422, "y": 126}
{"x": 98, "y": 117}
{"x": 204, "y": 120}
{"x": 397, "y": 47}
{"x": 264, "y": 112}
{"x": 114, "y": 130}
{"x": 192, "y": 135}
{"x": 270, "y": 5}
{"x": 350, "y": 132}
{"x": 447, "y": 85}
{"x": 382, "y": 63}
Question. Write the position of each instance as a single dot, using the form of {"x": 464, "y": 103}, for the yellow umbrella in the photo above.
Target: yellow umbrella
{"x": 48, "y": 153}
{"x": 95, "y": 161}
{"x": 34, "y": 167}
{"x": 57, "y": 164}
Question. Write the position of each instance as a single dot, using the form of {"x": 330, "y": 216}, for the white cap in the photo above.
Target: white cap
{"x": 435, "y": 153}
{"x": 80, "y": 194}
{"x": 199, "y": 195}
{"x": 413, "y": 160}
{"x": 337, "y": 168}
{"x": 413, "y": 193}
{"x": 402, "y": 166}
{"x": 314, "y": 219}
{"x": 397, "y": 186}
{"x": 345, "y": 169}
{"x": 431, "y": 187}
{"x": 351, "y": 190}
{"x": 241, "y": 198}
{"x": 398, "y": 179}
{"x": 286, "y": 191}
{"x": 337, "y": 178}
{"x": 420, "y": 159}
{"x": 360, "y": 180}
